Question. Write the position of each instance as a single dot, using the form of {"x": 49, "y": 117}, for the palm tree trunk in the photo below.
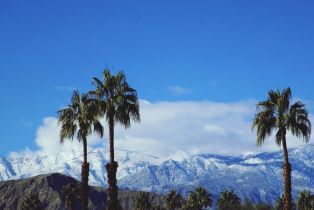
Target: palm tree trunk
{"x": 84, "y": 177}
{"x": 111, "y": 139}
{"x": 112, "y": 201}
{"x": 286, "y": 173}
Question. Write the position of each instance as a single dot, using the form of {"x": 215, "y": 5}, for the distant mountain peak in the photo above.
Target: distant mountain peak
{"x": 255, "y": 176}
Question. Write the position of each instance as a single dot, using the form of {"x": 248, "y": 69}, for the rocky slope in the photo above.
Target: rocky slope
{"x": 50, "y": 189}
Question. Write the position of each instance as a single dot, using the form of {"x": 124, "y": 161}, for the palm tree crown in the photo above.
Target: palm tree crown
{"x": 305, "y": 200}
{"x": 79, "y": 117}
{"x": 228, "y": 201}
{"x": 276, "y": 113}
{"x": 199, "y": 199}
{"x": 143, "y": 201}
{"x": 173, "y": 200}
{"x": 117, "y": 99}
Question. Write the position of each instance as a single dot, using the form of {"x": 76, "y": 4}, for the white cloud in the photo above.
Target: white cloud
{"x": 48, "y": 138}
{"x": 47, "y": 135}
{"x": 212, "y": 129}
{"x": 178, "y": 90}
{"x": 195, "y": 127}
{"x": 177, "y": 128}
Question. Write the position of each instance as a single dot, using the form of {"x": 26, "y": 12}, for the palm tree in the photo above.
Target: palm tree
{"x": 199, "y": 199}
{"x": 143, "y": 201}
{"x": 118, "y": 102}
{"x": 79, "y": 119}
{"x": 173, "y": 200}
{"x": 276, "y": 114}
{"x": 228, "y": 200}
{"x": 305, "y": 200}
{"x": 31, "y": 202}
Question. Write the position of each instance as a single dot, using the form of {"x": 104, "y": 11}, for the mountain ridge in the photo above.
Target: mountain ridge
{"x": 257, "y": 177}
{"x": 51, "y": 191}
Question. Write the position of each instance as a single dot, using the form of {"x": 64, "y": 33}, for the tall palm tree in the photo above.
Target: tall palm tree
{"x": 276, "y": 115}
{"x": 80, "y": 119}
{"x": 143, "y": 201}
{"x": 118, "y": 102}
{"x": 305, "y": 200}
{"x": 199, "y": 199}
{"x": 228, "y": 200}
{"x": 173, "y": 200}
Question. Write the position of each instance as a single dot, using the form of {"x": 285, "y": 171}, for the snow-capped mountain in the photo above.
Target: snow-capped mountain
{"x": 256, "y": 177}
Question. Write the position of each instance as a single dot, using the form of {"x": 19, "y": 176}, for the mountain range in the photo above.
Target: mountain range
{"x": 257, "y": 177}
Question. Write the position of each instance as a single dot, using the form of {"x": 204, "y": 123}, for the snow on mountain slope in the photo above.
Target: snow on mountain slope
{"x": 257, "y": 177}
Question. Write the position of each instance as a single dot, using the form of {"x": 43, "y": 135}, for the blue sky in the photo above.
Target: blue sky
{"x": 220, "y": 51}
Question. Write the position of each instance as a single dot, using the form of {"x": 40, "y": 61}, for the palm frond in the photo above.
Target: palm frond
{"x": 278, "y": 138}
{"x": 97, "y": 82}
{"x": 273, "y": 96}
{"x": 75, "y": 101}
{"x": 98, "y": 128}
{"x": 265, "y": 105}
{"x": 286, "y": 98}
{"x": 78, "y": 117}
{"x": 265, "y": 122}
{"x": 68, "y": 131}
{"x": 298, "y": 122}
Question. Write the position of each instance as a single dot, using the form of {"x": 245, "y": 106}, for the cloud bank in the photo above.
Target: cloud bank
{"x": 177, "y": 129}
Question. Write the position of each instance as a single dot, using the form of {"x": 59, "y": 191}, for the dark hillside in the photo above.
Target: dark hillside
{"x": 52, "y": 196}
